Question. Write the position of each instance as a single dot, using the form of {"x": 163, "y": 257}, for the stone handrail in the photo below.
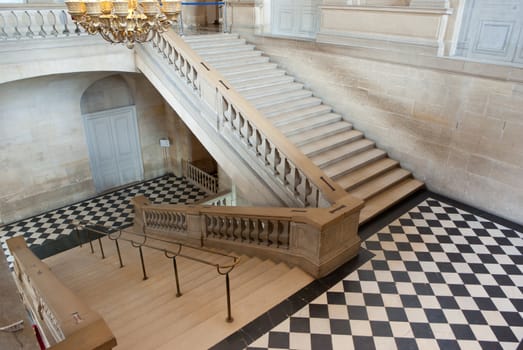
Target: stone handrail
{"x": 64, "y": 321}
{"x": 318, "y": 240}
{"x": 199, "y": 177}
{"x": 239, "y": 120}
{"x": 35, "y": 21}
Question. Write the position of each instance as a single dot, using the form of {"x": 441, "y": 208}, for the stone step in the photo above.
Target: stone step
{"x": 319, "y": 133}
{"x": 209, "y": 37}
{"x": 266, "y": 101}
{"x": 248, "y": 68}
{"x": 380, "y": 183}
{"x": 309, "y": 124}
{"x": 350, "y": 164}
{"x": 313, "y": 148}
{"x": 232, "y": 50}
{"x": 262, "y": 82}
{"x": 226, "y": 57}
{"x": 387, "y": 199}
{"x": 340, "y": 153}
{"x": 271, "y": 90}
{"x": 290, "y": 117}
{"x": 216, "y": 44}
{"x": 244, "y": 77}
{"x": 366, "y": 173}
{"x": 230, "y": 62}
{"x": 285, "y": 107}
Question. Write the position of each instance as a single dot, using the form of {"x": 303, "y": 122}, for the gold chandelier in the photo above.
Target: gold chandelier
{"x": 128, "y": 22}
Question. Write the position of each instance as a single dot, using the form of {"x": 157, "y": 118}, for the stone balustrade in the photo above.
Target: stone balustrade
{"x": 33, "y": 21}
{"x": 238, "y": 121}
{"x": 318, "y": 240}
{"x": 199, "y": 177}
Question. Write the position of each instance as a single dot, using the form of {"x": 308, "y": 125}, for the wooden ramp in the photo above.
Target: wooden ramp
{"x": 148, "y": 315}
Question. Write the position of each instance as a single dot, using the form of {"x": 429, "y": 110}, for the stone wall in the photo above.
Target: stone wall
{"x": 459, "y": 132}
{"x": 43, "y": 149}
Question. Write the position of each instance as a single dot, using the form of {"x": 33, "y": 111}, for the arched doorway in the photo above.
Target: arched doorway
{"x": 111, "y": 130}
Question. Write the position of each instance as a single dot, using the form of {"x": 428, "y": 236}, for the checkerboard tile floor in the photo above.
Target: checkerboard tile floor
{"x": 113, "y": 209}
{"x": 441, "y": 278}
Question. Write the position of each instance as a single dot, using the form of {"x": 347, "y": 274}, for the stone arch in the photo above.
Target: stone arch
{"x": 107, "y": 93}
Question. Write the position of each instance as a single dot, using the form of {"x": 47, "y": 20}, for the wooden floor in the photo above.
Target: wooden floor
{"x": 147, "y": 315}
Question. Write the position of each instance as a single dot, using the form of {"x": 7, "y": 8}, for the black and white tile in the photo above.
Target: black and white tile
{"x": 441, "y": 278}
{"x": 113, "y": 209}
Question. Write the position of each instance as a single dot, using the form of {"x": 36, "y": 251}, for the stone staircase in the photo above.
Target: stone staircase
{"x": 148, "y": 315}
{"x": 343, "y": 153}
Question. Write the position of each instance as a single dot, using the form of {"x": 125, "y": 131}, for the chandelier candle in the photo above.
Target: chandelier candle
{"x": 126, "y": 22}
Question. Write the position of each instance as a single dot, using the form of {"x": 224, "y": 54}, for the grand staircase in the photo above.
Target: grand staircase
{"x": 344, "y": 154}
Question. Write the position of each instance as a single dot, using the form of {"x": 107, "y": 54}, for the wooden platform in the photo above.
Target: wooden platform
{"x": 147, "y": 315}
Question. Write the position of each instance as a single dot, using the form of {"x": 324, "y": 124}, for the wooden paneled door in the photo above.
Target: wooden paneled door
{"x": 114, "y": 147}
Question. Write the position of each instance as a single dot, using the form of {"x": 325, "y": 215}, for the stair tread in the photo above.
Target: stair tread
{"x": 317, "y": 133}
{"x": 271, "y": 90}
{"x": 313, "y": 148}
{"x": 290, "y": 106}
{"x": 385, "y": 200}
{"x": 359, "y": 176}
{"x": 255, "y": 75}
{"x": 314, "y": 111}
{"x": 225, "y": 50}
{"x": 288, "y": 96}
{"x": 306, "y": 124}
{"x": 350, "y": 164}
{"x": 342, "y": 152}
{"x": 231, "y": 71}
{"x": 216, "y": 43}
{"x": 238, "y": 61}
{"x": 259, "y": 82}
{"x": 209, "y": 37}
{"x": 380, "y": 183}
{"x": 227, "y": 57}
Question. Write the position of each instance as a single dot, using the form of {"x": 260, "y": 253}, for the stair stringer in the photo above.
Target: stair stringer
{"x": 250, "y": 178}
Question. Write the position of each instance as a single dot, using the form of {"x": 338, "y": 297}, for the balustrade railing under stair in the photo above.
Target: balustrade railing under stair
{"x": 199, "y": 177}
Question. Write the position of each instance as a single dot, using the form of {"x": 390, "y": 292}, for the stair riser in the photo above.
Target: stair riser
{"x": 240, "y": 61}
{"x": 205, "y": 38}
{"x": 280, "y": 98}
{"x": 248, "y": 69}
{"x": 219, "y": 44}
{"x": 258, "y": 84}
{"x": 355, "y": 167}
{"x": 369, "y": 194}
{"x": 226, "y": 58}
{"x": 353, "y": 153}
{"x": 249, "y": 77}
{"x": 272, "y": 91}
{"x": 335, "y": 145}
{"x": 319, "y": 137}
{"x": 285, "y": 119}
{"x": 295, "y": 106}
{"x": 231, "y": 50}
{"x": 299, "y": 129}
{"x": 362, "y": 181}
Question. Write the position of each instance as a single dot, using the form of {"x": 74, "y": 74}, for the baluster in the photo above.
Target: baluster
{"x": 26, "y": 22}
{"x": 272, "y": 232}
{"x": 14, "y": 21}
{"x": 51, "y": 18}
{"x": 229, "y": 229}
{"x": 263, "y": 237}
{"x": 63, "y": 20}
{"x": 39, "y": 19}
{"x": 304, "y": 190}
{"x": 176, "y": 59}
{"x": 3, "y": 24}
{"x": 216, "y": 227}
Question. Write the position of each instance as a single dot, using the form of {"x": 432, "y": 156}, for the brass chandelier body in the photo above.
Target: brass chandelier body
{"x": 127, "y": 22}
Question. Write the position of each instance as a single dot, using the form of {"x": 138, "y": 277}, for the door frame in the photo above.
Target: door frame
{"x": 89, "y": 140}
